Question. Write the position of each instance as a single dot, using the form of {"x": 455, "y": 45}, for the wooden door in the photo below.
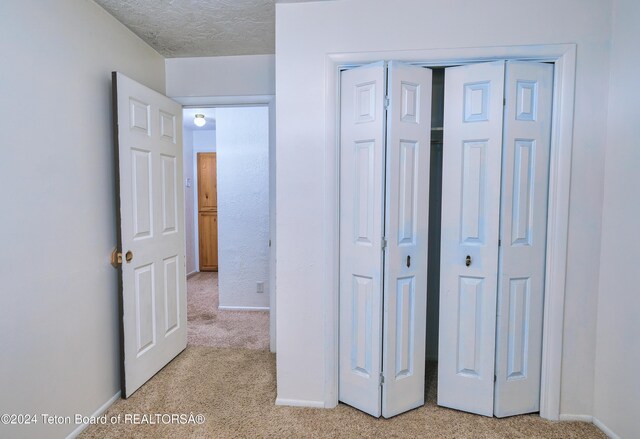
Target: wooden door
{"x": 151, "y": 226}
{"x": 208, "y": 211}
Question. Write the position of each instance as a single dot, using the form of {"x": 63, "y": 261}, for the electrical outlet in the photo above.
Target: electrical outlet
{"x": 259, "y": 287}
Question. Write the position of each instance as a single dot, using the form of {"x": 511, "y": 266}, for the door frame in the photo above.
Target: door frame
{"x": 251, "y": 101}
{"x": 563, "y": 56}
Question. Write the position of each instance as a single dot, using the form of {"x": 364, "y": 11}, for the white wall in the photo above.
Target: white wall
{"x": 246, "y": 75}
{"x": 243, "y": 205}
{"x": 58, "y": 318}
{"x": 193, "y": 140}
{"x": 617, "y": 384}
{"x": 305, "y": 34}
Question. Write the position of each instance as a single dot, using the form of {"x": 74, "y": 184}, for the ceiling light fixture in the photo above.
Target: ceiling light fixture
{"x": 199, "y": 120}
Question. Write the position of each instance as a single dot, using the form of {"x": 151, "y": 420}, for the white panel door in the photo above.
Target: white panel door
{"x": 406, "y": 228}
{"x": 362, "y": 141}
{"x": 523, "y": 225}
{"x": 151, "y": 214}
{"x": 472, "y": 149}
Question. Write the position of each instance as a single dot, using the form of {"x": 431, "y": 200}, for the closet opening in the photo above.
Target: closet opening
{"x": 444, "y": 177}
{"x": 435, "y": 210}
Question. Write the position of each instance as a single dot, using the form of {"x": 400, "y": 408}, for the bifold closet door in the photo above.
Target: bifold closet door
{"x": 472, "y": 149}
{"x": 383, "y": 229}
{"x": 362, "y": 141}
{"x": 494, "y": 214}
{"x": 523, "y": 226}
{"x": 406, "y": 229}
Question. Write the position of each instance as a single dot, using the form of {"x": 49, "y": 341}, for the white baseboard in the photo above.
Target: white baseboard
{"x": 606, "y": 430}
{"x": 103, "y": 408}
{"x": 578, "y": 418}
{"x": 300, "y": 403}
{"x": 193, "y": 273}
{"x": 243, "y": 308}
{"x": 593, "y": 420}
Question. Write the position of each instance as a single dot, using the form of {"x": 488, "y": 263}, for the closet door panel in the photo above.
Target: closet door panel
{"x": 361, "y": 230}
{"x": 407, "y": 225}
{"x": 525, "y": 169}
{"x": 469, "y": 238}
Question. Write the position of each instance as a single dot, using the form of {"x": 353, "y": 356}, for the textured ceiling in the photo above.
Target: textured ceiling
{"x": 181, "y": 28}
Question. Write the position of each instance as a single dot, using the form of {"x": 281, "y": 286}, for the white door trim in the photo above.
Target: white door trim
{"x": 564, "y": 58}
{"x": 248, "y": 101}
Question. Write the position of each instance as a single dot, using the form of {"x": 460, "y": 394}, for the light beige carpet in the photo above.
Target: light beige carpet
{"x": 235, "y": 389}
{"x": 208, "y": 326}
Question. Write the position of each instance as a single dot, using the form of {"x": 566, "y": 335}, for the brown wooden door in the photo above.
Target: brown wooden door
{"x": 207, "y": 211}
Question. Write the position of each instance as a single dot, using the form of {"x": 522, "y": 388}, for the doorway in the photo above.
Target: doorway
{"x": 471, "y": 218}
{"x": 227, "y": 205}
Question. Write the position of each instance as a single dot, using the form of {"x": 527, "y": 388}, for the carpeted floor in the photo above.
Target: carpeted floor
{"x": 208, "y": 326}
{"x": 235, "y": 389}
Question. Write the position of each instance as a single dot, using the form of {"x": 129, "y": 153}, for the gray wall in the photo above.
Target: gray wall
{"x": 58, "y": 311}
{"x": 617, "y": 383}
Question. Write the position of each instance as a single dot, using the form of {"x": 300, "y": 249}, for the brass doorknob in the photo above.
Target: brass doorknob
{"x": 128, "y": 256}
{"x": 467, "y": 261}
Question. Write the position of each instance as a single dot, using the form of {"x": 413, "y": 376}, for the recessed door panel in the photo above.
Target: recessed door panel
{"x": 362, "y": 326}
{"x": 472, "y": 151}
{"x": 169, "y": 191}
{"x": 473, "y": 192}
{"x": 408, "y": 202}
{"x": 364, "y": 193}
{"x": 171, "y": 295}
{"x": 140, "y": 116}
{"x": 517, "y": 329}
{"x": 469, "y": 326}
{"x": 145, "y": 308}
{"x": 405, "y": 321}
{"x": 525, "y": 182}
{"x": 522, "y": 208}
{"x": 167, "y": 126}
{"x": 142, "y": 199}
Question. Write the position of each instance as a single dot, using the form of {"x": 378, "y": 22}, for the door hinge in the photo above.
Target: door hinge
{"x": 504, "y": 102}
{"x": 499, "y": 242}
{"x": 383, "y": 243}
{"x": 495, "y": 378}
{"x": 381, "y": 378}
{"x": 387, "y": 102}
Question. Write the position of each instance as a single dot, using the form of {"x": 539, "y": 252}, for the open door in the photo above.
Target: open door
{"x": 384, "y": 191}
{"x": 151, "y": 230}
